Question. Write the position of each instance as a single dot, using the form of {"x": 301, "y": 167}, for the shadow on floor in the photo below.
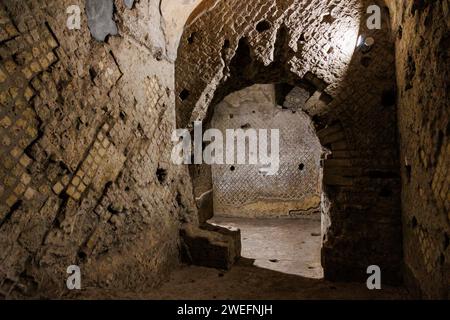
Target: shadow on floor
{"x": 289, "y": 245}
{"x": 246, "y": 281}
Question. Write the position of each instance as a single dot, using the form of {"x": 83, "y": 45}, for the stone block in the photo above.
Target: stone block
{"x": 210, "y": 246}
{"x": 205, "y": 205}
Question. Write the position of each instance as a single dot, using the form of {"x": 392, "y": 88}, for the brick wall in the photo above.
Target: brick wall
{"x": 311, "y": 43}
{"x": 296, "y": 188}
{"x": 85, "y": 173}
{"x": 422, "y": 29}
{"x": 85, "y": 176}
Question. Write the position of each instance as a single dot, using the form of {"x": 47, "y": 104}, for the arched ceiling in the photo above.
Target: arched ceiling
{"x": 178, "y": 14}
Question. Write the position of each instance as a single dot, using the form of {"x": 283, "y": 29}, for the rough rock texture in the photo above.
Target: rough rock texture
{"x": 422, "y": 29}
{"x": 230, "y": 45}
{"x": 241, "y": 189}
{"x": 85, "y": 173}
{"x": 205, "y": 205}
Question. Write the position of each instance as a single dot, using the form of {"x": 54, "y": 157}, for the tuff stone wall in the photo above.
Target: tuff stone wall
{"x": 85, "y": 173}
{"x": 422, "y": 29}
{"x": 85, "y": 176}
{"x": 311, "y": 45}
{"x": 296, "y": 188}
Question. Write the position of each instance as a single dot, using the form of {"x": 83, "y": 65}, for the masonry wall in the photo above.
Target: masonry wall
{"x": 85, "y": 128}
{"x": 295, "y": 188}
{"x": 85, "y": 176}
{"x": 422, "y": 29}
{"x": 229, "y": 45}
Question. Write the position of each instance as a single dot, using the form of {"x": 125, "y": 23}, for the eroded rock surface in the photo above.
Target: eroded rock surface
{"x": 100, "y": 18}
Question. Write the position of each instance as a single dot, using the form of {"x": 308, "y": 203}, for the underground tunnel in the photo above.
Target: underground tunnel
{"x": 96, "y": 98}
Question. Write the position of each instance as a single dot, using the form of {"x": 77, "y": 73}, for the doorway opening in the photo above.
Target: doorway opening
{"x": 346, "y": 86}
{"x": 279, "y": 215}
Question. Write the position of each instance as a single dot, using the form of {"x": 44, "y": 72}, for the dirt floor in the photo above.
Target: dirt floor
{"x": 281, "y": 260}
{"x": 246, "y": 281}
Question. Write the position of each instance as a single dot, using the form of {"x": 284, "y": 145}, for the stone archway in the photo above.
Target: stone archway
{"x": 351, "y": 100}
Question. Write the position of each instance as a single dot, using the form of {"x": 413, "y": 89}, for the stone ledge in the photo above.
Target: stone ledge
{"x": 210, "y": 246}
